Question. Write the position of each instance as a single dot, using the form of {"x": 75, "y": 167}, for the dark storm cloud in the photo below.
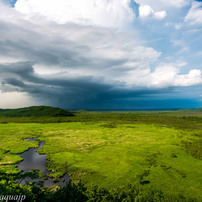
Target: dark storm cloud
{"x": 79, "y": 92}
{"x": 82, "y": 92}
{"x": 38, "y": 48}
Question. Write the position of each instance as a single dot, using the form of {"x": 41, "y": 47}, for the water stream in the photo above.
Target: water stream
{"x": 33, "y": 160}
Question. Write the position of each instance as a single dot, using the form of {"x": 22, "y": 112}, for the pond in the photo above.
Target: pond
{"x": 33, "y": 160}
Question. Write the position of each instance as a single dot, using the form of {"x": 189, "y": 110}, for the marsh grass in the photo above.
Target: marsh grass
{"x": 156, "y": 151}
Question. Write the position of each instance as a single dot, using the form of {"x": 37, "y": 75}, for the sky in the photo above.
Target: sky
{"x": 101, "y": 54}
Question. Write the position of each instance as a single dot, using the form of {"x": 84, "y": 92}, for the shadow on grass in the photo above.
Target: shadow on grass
{"x": 79, "y": 192}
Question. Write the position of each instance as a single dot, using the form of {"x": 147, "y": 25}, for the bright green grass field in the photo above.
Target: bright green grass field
{"x": 111, "y": 156}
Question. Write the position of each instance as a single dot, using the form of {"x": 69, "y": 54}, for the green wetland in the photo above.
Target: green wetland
{"x": 109, "y": 156}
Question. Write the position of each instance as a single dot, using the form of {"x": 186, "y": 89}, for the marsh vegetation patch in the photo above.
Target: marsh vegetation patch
{"x": 152, "y": 152}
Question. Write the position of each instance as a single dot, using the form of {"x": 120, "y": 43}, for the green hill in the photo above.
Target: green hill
{"x": 35, "y": 111}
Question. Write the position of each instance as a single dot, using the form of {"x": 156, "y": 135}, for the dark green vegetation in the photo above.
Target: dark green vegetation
{"x": 80, "y": 193}
{"x": 110, "y": 156}
{"x": 35, "y": 111}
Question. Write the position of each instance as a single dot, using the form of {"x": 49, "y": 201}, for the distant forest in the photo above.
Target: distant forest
{"x": 35, "y": 111}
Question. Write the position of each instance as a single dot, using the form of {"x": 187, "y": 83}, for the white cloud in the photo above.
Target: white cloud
{"x": 194, "y": 16}
{"x": 164, "y": 4}
{"x": 107, "y": 13}
{"x": 169, "y": 75}
{"x": 178, "y": 3}
{"x": 194, "y": 77}
{"x": 147, "y": 11}
{"x": 164, "y": 75}
{"x": 160, "y": 15}
{"x": 175, "y": 3}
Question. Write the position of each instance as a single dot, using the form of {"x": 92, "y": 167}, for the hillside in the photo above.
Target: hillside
{"x": 35, "y": 111}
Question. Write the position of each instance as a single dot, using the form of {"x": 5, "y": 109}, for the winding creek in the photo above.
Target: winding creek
{"x": 33, "y": 160}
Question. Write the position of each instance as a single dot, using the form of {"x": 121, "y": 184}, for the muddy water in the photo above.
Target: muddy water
{"x": 33, "y": 160}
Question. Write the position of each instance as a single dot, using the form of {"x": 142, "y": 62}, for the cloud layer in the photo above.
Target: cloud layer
{"x": 194, "y": 16}
{"x": 80, "y": 58}
{"x": 104, "y": 13}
